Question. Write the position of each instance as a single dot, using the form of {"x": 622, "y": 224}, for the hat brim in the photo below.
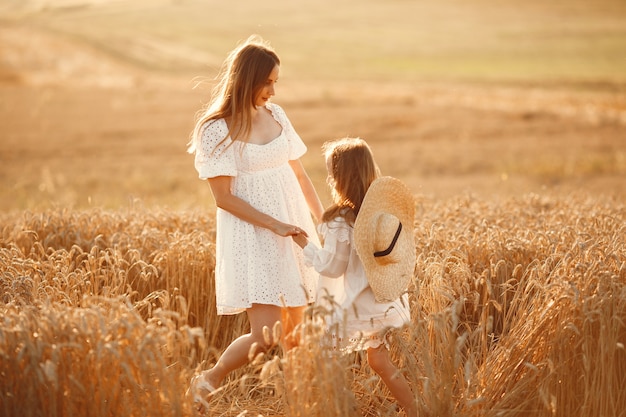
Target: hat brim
{"x": 392, "y": 196}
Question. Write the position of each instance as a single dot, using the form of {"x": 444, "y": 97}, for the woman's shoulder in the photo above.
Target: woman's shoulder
{"x": 214, "y": 125}
{"x": 276, "y": 111}
{"x": 214, "y": 131}
{"x": 273, "y": 107}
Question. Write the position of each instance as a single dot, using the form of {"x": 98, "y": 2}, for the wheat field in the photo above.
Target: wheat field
{"x": 507, "y": 119}
{"x": 519, "y": 309}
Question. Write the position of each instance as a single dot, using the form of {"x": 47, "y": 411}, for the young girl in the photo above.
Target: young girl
{"x": 380, "y": 213}
{"x": 248, "y": 151}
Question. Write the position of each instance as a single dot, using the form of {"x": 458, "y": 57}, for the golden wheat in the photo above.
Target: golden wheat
{"x": 519, "y": 310}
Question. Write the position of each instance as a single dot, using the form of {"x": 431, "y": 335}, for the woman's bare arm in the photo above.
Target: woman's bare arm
{"x": 312, "y": 199}
{"x": 224, "y": 199}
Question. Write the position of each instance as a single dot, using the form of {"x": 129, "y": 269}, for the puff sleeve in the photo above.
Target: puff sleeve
{"x": 297, "y": 148}
{"x": 332, "y": 259}
{"x": 214, "y": 157}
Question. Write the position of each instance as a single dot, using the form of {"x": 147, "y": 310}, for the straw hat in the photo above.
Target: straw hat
{"x": 383, "y": 237}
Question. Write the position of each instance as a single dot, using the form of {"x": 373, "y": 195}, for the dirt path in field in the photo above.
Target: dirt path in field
{"x": 81, "y": 127}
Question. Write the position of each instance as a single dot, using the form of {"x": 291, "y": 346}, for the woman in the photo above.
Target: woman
{"x": 249, "y": 152}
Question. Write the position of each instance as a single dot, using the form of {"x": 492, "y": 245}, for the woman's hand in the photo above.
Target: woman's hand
{"x": 284, "y": 229}
{"x": 224, "y": 199}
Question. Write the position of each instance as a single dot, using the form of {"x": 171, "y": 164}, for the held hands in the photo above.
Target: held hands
{"x": 285, "y": 230}
{"x": 299, "y": 235}
{"x": 300, "y": 239}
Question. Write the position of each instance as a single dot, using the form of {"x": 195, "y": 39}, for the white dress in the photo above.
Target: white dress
{"x": 359, "y": 317}
{"x": 253, "y": 264}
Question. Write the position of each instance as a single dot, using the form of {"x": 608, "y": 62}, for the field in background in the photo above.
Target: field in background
{"x": 492, "y": 98}
{"x": 407, "y": 40}
{"x": 506, "y": 118}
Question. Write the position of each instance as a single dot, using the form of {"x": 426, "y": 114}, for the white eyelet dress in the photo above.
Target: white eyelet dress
{"x": 253, "y": 264}
{"x": 343, "y": 289}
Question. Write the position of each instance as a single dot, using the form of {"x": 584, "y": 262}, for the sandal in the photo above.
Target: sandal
{"x": 199, "y": 389}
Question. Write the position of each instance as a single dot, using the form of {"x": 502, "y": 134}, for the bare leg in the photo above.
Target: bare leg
{"x": 378, "y": 358}
{"x": 291, "y": 317}
{"x": 236, "y": 354}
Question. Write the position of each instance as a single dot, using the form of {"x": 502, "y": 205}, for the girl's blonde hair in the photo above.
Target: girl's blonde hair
{"x": 243, "y": 75}
{"x": 352, "y": 169}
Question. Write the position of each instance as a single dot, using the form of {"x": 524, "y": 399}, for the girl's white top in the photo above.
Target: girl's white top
{"x": 253, "y": 264}
{"x": 343, "y": 284}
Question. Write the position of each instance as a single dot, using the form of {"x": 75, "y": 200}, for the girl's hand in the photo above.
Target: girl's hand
{"x": 300, "y": 239}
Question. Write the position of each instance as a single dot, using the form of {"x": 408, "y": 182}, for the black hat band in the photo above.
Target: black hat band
{"x": 391, "y": 246}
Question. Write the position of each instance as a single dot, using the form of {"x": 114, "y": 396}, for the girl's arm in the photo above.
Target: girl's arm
{"x": 331, "y": 260}
{"x": 224, "y": 199}
{"x": 312, "y": 199}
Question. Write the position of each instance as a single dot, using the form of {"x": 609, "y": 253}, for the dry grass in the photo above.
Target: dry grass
{"x": 521, "y": 303}
{"x": 520, "y": 310}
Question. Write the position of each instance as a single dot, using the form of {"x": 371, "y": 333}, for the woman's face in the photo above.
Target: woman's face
{"x": 267, "y": 91}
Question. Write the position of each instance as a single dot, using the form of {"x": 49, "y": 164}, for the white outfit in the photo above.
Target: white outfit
{"x": 253, "y": 264}
{"x": 361, "y": 319}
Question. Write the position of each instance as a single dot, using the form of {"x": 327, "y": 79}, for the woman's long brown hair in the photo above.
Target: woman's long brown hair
{"x": 243, "y": 74}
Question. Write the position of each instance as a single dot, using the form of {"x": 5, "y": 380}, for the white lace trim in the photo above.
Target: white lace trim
{"x": 339, "y": 228}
